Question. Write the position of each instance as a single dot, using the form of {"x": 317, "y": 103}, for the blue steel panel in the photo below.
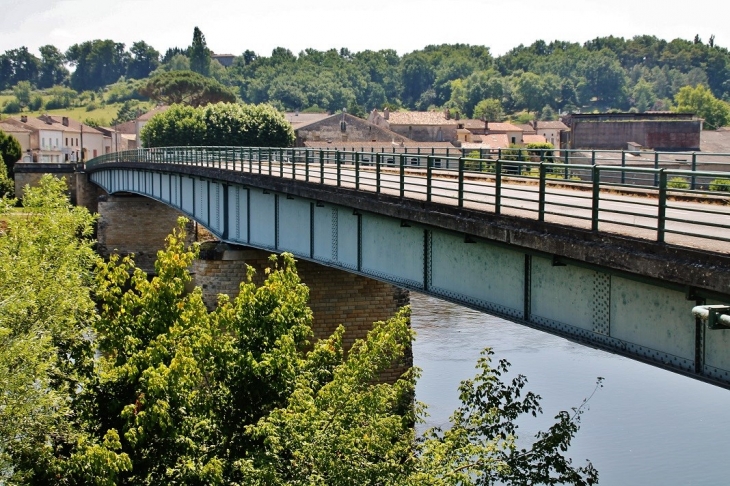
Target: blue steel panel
{"x": 201, "y": 202}
{"x": 188, "y": 195}
{"x": 175, "y": 190}
{"x": 323, "y": 241}
{"x": 294, "y": 226}
{"x": 263, "y": 216}
{"x": 654, "y": 318}
{"x": 156, "y": 185}
{"x": 392, "y": 252}
{"x": 478, "y": 274}
{"x": 216, "y": 208}
{"x": 717, "y": 350}
{"x": 237, "y": 214}
{"x": 165, "y": 190}
{"x": 347, "y": 238}
{"x": 563, "y": 294}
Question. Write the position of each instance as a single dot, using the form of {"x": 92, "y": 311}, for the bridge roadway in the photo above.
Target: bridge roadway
{"x": 549, "y": 259}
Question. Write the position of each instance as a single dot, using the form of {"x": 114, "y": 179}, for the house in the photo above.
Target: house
{"x": 420, "y": 126}
{"x": 226, "y": 60}
{"x": 344, "y": 128}
{"x": 44, "y": 139}
{"x": 513, "y": 132}
{"x": 551, "y": 130}
{"x": 78, "y": 137}
{"x": 298, "y": 119}
{"x": 121, "y": 137}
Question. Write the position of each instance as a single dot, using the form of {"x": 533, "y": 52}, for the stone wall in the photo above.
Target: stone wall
{"x": 335, "y": 296}
{"x": 135, "y": 224}
{"x": 30, "y": 173}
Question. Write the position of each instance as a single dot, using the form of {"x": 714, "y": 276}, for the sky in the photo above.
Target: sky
{"x": 233, "y": 26}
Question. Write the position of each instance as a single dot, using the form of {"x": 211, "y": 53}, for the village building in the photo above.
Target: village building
{"x": 43, "y": 139}
{"x": 344, "y": 128}
{"x": 415, "y": 154}
{"x": 77, "y": 137}
{"x": 420, "y": 126}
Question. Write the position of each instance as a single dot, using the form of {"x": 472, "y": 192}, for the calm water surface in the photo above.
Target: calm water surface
{"x": 646, "y": 426}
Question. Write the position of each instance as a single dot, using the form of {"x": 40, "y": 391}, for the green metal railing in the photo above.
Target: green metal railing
{"x": 654, "y": 201}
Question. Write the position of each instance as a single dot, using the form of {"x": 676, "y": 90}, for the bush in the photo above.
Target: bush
{"x": 678, "y": 183}
{"x": 36, "y": 103}
{"x": 720, "y": 185}
{"x": 222, "y": 124}
{"x": 92, "y": 106}
{"x": 12, "y": 107}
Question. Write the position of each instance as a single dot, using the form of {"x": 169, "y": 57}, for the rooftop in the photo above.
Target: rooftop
{"x": 299, "y": 120}
{"x": 551, "y": 125}
{"x": 503, "y": 127}
{"x": 73, "y": 125}
{"x": 420, "y": 118}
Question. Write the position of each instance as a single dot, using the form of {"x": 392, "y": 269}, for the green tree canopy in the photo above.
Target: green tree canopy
{"x": 219, "y": 125}
{"x": 186, "y": 87}
{"x": 199, "y": 54}
{"x": 700, "y": 101}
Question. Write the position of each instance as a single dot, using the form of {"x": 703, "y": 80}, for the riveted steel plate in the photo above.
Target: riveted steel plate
{"x": 391, "y": 251}
{"x": 294, "y": 227}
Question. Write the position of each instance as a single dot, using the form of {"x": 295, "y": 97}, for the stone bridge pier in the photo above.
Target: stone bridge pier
{"x": 133, "y": 224}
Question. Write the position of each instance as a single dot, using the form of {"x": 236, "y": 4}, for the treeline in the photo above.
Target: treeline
{"x": 643, "y": 73}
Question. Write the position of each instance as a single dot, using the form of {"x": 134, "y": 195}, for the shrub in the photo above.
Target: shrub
{"x": 721, "y": 185}
{"x": 678, "y": 183}
{"x": 12, "y": 106}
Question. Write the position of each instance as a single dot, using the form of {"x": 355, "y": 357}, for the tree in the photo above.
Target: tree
{"x": 98, "y": 63}
{"x": 10, "y": 150}
{"x": 18, "y": 65}
{"x": 535, "y": 91}
{"x": 199, "y": 54}
{"x": 7, "y": 186}
{"x": 186, "y": 87}
{"x": 700, "y": 101}
{"x": 489, "y": 110}
{"x": 130, "y": 110}
{"x": 46, "y": 356}
{"x": 144, "y": 59}
{"x": 219, "y": 125}
{"x": 23, "y": 91}
{"x": 52, "y": 70}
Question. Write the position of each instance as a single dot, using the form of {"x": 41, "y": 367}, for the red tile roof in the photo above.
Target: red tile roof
{"x": 533, "y": 139}
{"x": 420, "y": 118}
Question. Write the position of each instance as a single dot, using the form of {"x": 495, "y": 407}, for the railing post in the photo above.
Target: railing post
{"x": 306, "y": 165}
{"x": 357, "y": 171}
{"x": 281, "y": 163}
{"x": 402, "y": 175}
{"x": 662, "y": 210}
{"x": 429, "y": 179}
{"x": 377, "y": 172}
{"x": 541, "y": 201}
{"x": 338, "y": 161}
{"x": 567, "y": 156}
{"x": 623, "y": 167}
{"x": 259, "y": 157}
{"x": 694, "y": 169}
{"x": 321, "y": 166}
{"x": 596, "y": 198}
{"x": 498, "y": 187}
{"x": 270, "y": 156}
{"x": 461, "y": 182}
{"x": 656, "y": 166}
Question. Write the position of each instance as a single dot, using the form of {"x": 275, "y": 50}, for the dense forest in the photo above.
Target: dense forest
{"x": 639, "y": 74}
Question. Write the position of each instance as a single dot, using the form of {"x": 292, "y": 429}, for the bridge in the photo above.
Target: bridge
{"x": 614, "y": 257}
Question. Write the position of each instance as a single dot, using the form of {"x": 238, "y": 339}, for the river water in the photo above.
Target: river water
{"x": 646, "y": 426}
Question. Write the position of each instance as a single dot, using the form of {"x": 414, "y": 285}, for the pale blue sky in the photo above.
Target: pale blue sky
{"x": 404, "y": 25}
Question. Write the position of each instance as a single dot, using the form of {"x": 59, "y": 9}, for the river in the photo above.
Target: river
{"x": 646, "y": 426}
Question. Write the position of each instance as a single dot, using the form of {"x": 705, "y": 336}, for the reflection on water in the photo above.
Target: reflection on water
{"x": 647, "y": 426}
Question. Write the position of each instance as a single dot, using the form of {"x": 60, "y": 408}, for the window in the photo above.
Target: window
{"x": 77, "y": 142}
{"x": 43, "y": 143}
{"x": 514, "y": 140}
{"x": 66, "y": 141}
{"x": 414, "y": 161}
{"x": 437, "y": 162}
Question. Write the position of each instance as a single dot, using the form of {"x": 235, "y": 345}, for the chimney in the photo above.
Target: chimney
{"x": 386, "y": 113}
{"x": 447, "y": 113}
{"x": 24, "y": 118}
{"x": 64, "y": 121}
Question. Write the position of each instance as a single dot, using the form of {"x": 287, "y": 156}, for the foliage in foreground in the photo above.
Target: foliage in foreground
{"x": 180, "y": 395}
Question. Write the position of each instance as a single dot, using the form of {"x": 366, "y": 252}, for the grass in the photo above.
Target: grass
{"x": 104, "y": 114}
